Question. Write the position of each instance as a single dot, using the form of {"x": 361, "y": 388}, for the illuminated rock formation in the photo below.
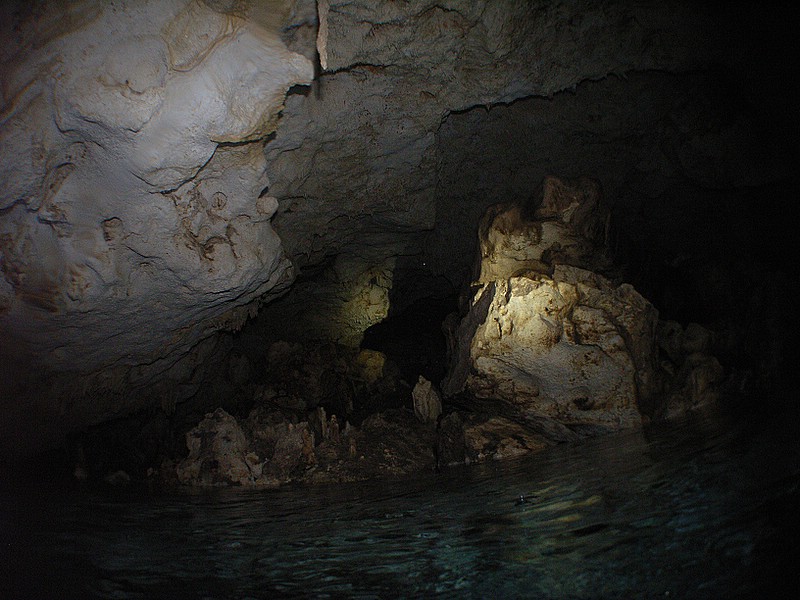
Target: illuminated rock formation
{"x": 548, "y": 337}
{"x": 132, "y": 224}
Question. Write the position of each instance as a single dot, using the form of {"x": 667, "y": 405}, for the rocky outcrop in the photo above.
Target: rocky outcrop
{"x": 498, "y": 438}
{"x": 569, "y": 226}
{"x": 268, "y": 449}
{"x": 218, "y": 454}
{"x": 476, "y": 438}
{"x": 573, "y": 347}
{"x": 132, "y": 219}
{"x": 546, "y": 335}
{"x": 298, "y": 428}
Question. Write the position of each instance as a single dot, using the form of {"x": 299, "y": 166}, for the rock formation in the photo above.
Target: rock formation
{"x": 427, "y": 403}
{"x": 132, "y": 219}
{"x": 393, "y": 74}
{"x": 267, "y": 449}
{"x": 569, "y": 226}
{"x": 695, "y": 376}
{"x": 173, "y": 168}
{"x": 218, "y": 454}
{"x": 545, "y": 334}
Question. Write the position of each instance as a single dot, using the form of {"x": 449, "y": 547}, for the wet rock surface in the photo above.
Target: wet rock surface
{"x": 323, "y": 413}
{"x": 217, "y": 453}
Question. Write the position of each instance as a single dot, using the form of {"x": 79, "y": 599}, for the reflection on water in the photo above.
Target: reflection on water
{"x": 689, "y": 512}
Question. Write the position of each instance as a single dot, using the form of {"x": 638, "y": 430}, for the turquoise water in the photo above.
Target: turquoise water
{"x": 701, "y": 510}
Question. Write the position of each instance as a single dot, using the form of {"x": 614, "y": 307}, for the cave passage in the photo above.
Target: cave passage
{"x": 458, "y": 299}
{"x": 414, "y": 338}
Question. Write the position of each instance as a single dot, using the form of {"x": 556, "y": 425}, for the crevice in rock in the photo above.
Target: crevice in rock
{"x": 358, "y": 67}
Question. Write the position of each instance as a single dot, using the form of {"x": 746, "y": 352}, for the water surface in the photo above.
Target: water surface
{"x": 700, "y": 510}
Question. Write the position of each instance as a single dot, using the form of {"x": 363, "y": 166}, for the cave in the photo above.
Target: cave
{"x": 275, "y": 267}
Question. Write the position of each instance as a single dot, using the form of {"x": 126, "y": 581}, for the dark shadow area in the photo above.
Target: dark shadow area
{"x": 413, "y": 338}
{"x": 722, "y": 258}
{"x": 422, "y": 295}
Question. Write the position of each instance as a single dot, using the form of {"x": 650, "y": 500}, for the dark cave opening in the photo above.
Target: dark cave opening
{"x": 414, "y": 338}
